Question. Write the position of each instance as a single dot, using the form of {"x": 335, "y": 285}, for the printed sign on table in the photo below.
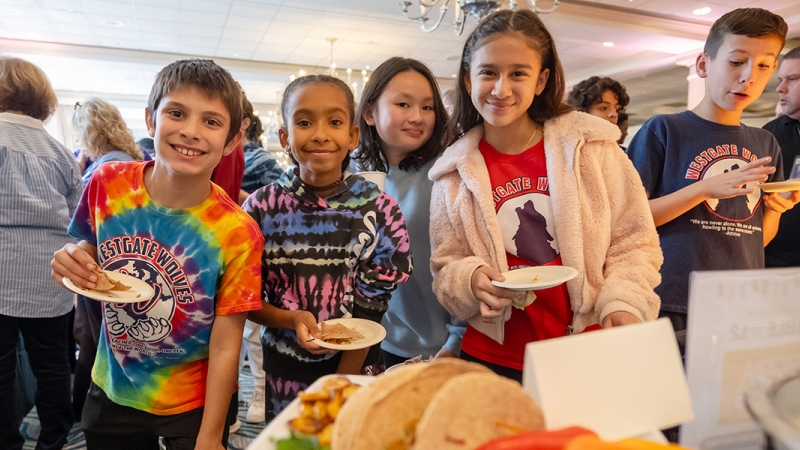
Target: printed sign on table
{"x": 743, "y": 325}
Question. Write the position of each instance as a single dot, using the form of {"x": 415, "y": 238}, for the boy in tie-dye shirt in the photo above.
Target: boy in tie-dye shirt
{"x": 165, "y": 223}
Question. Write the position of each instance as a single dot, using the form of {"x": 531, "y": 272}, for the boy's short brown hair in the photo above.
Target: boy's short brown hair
{"x": 25, "y": 88}
{"x": 750, "y": 22}
{"x": 206, "y": 76}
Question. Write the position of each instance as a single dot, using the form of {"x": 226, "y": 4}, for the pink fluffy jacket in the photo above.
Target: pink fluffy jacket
{"x": 602, "y": 217}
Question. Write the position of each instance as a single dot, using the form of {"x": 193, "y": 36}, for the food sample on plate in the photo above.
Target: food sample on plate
{"x": 319, "y": 410}
{"x": 339, "y": 334}
{"x": 106, "y": 283}
{"x": 448, "y": 403}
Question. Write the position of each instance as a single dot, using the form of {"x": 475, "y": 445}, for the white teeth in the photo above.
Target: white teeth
{"x": 187, "y": 152}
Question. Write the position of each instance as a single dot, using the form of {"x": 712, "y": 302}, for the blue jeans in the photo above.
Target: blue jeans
{"x": 46, "y": 343}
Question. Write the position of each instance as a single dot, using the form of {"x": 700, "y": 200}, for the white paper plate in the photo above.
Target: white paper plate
{"x": 373, "y": 333}
{"x": 140, "y": 291}
{"x": 780, "y": 186}
{"x": 545, "y": 276}
{"x": 278, "y": 428}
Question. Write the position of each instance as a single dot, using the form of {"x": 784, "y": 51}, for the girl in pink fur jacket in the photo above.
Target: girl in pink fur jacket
{"x": 527, "y": 183}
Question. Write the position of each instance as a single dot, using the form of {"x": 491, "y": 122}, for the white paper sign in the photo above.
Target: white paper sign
{"x": 742, "y": 324}
{"x": 620, "y": 382}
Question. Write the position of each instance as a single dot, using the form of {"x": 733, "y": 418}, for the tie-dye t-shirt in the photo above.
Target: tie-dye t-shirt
{"x": 325, "y": 255}
{"x": 202, "y": 261}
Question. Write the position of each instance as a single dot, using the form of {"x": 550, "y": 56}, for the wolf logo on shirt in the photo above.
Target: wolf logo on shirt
{"x": 149, "y": 320}
{"x": 734, "y": 209}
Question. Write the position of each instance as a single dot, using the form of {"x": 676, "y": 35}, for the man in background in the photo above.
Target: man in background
{"x": 784, "y": 250}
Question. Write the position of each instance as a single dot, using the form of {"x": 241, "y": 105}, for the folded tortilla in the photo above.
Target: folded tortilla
{"x": 106, "y": 283}
{"x": 338, "y": 333}
{"x": 389, "y": 412}
{"x": 473, "y": 409}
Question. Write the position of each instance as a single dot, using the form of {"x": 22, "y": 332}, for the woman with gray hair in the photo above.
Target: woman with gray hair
{"x": 39, "y": 193}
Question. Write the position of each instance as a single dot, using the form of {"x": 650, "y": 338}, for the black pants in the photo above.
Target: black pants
{"x": 46, "y": 343}
{"x": 503, "y": 371}
{"x": 110, "y": 426}
{"x": 88, "y": 318}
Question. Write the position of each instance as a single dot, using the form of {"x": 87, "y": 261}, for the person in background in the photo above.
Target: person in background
{"x": 599, "y": 96}
{"x": 260, "y": 167}
{"x": 148, "y": 147}
{"x": 403, "y": 127}
{"x": 529, "y": 182}
{"x": 622, "y": 124}
{"x": 103, "y": 137}
{"x": 449, "y": 100}
{"x": 40, "y": 190}
{"x": 701, "y": 167}
{"x": 784, "y": 250}
{"x": 229, "y": 172}
{"x": 166, "y": 367}
{"x": 334, "y": 247}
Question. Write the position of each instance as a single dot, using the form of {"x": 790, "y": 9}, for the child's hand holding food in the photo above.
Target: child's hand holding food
{"x": 305, "y": 326}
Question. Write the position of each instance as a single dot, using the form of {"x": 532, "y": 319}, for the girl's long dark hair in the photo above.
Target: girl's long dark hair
{"x": 526, "y": 25}
{"x": 369, "y": 154}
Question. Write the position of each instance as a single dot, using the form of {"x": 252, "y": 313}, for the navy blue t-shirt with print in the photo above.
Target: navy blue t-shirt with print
{"x": 675, "y": 150}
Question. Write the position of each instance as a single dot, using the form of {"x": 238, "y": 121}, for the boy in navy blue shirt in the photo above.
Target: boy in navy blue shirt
{"x": 701, "y": 168}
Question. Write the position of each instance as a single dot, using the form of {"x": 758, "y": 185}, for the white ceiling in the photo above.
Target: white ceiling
{"x": 115, "y": 47}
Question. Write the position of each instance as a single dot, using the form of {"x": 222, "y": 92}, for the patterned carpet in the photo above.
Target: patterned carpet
{"x": 238, "y": 441}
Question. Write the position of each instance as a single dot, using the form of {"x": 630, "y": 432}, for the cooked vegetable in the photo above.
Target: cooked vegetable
{"x": 537, "y": 440}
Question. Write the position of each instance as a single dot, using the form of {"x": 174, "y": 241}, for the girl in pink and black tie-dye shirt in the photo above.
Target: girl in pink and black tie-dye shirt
{"x": 334, "y": 245}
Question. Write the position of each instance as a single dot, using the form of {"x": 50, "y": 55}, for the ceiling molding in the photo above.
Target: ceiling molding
{"x": 632, "y": 20}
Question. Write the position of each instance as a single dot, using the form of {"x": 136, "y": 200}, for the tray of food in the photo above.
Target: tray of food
{"x": 445, "y": 404}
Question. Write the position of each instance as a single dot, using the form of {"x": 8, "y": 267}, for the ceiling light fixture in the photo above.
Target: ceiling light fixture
{"x": 114, "y": 23}
{"x": 34, "y": 35}
{"x": 701, "y": 11}
{"x": 464, "y": 8}
{"x": 608, "y": 44}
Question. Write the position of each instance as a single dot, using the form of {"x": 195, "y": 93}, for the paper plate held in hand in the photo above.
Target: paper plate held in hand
{"x": 139, "y": 292}
{"x": 373, "y": 333}
{"x": 536, "y": 278}
{"x": 780, "y": 186}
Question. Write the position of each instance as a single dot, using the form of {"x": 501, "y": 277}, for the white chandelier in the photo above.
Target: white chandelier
{"x": 463, "y": 8}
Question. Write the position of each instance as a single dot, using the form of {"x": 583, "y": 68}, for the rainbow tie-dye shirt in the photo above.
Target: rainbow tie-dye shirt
{"x": 202, "y": 261}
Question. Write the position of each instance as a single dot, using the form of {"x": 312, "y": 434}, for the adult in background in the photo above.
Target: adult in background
{"x": 599, "y": 96}
{"x": 260, "y": 167}
{"x": 103, "y": 137}
{"x": 40, "y": 188}
{"x": 784, "y": 250}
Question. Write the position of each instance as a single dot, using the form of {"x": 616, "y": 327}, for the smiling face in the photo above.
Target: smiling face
{"x": 607, "y": 108}
{"x": 504, "y": 77}
{"x": 318, "y": 132}
{"x": 403, "y": 115}
{"x": 789, "y": 87}
{"x": 190, "y": 130}
{"x": 736, "y": 77}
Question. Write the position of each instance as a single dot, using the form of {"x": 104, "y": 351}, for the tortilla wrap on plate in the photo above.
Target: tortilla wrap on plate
{"x": 392, "y": 408}
{"x": 106, "y": 283}
{"x": 473, "y": 409}
{"x": 339, "y": 334}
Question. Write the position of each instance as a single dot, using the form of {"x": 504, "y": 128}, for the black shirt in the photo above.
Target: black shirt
{"x": 784, "y": 250}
